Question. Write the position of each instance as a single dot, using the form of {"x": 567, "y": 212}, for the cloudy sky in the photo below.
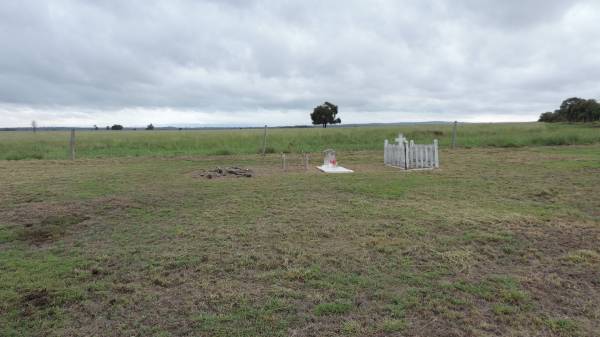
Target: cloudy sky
{"x": 243, "y": 62}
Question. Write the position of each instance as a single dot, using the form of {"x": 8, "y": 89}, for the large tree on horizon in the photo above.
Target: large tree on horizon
{"x": 574, "y": 109}
{"x": 325, "y": 114}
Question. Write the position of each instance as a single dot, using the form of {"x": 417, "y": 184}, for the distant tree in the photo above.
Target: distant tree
{"x": 107, "y": 127}
{"x": 150, "y": 127}
{"x": 95, "y": 127}
{"x": 574, "y": 109}
{"x": 116, "y": 127}
{"x": 34, "y": 126}
{"x": 325, "y": 114}
{"x": 548, "y": 117}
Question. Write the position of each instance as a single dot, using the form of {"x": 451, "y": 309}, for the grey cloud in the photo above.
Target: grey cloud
{"x": 514, "y": 14}
{"x": 450, "y": 60}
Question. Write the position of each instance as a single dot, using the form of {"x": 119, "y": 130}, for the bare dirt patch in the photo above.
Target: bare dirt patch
{"x": 35, "y": 299}
{"x": 40, "y": 223}
{"x": 49, "y": 228}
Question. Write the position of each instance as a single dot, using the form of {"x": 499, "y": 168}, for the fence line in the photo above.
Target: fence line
{"x": 408, "y": 155}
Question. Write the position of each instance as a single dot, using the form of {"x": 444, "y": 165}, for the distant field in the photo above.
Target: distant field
{"x": 101, "y": 144}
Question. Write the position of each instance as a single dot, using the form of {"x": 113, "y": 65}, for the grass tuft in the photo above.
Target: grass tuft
{"x": 583, "y": 256}
{"x": 334, "y": 308}
{"x": 393, "y": 325}
{"x": 563, "y": 327}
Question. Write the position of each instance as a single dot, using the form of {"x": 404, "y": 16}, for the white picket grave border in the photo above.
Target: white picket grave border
{"x": 408, "y": 155}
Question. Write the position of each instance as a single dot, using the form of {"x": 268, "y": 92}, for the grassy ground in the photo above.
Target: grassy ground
{"x": 497, "y": 242}
{"x": 103, "y": 144}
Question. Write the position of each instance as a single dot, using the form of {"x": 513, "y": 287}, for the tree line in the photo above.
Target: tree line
{"x": 574, "y": 110}
{"x": 120, "y": 127}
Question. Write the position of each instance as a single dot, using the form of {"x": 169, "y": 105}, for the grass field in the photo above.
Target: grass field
{"x": 498, "y": 242}
{"x": 102, "y": 144}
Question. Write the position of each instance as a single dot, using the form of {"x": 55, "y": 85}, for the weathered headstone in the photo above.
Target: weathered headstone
{"x": 329, "y": 158}
{"x": 330, "y": 163}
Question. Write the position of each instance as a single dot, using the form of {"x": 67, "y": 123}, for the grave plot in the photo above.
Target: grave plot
{"x": 408, "y": 155}
{"x": 330, "y": 163}
{"x": 295, "y": 162}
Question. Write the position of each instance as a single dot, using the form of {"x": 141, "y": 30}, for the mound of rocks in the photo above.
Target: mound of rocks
{"x": 226, "y": 172}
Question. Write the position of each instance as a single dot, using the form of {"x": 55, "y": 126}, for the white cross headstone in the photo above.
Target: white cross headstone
{"x": 400, "y": 139}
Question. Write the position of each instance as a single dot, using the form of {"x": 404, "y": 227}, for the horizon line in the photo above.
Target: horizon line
{"x": 247, "y": 126}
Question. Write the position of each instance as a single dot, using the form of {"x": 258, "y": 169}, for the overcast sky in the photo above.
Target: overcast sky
{"x": 79, "y": 63}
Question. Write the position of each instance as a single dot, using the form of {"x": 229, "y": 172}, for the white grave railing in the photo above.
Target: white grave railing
{"x": 408, "y": 155}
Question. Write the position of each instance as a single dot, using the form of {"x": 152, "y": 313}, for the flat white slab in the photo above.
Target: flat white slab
{"x": 337, "y": 169}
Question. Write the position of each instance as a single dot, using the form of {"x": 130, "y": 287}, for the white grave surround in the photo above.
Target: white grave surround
{"x": 407, "y": 155}
{"x": 330, "y": 163}
{"x": 334, "y": 169}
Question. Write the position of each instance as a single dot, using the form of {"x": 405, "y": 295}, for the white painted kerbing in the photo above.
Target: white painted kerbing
{"x": 335, "y": 169}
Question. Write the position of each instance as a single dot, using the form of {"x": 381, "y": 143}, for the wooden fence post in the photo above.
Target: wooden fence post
{"x": 454, "y": 135}
{"x": 72, "y": 144}
{"x": 305, "y": 157}
{"x": 283, "y": 162}
{"x": 264, "y": 141}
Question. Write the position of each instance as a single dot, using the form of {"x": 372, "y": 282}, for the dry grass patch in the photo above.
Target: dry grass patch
{"x": 583, "y": 256}
{"x": 476, "y": 248}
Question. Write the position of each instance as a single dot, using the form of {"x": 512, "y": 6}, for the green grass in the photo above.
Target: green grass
{"x": 498, "y": 241}
{"x": 334, "y": 308}
{"x": 42, "y": 283}
{"x": 563, "y": 327}
{"x": 102, "y": 144}
{"x": 393, "y": 325}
